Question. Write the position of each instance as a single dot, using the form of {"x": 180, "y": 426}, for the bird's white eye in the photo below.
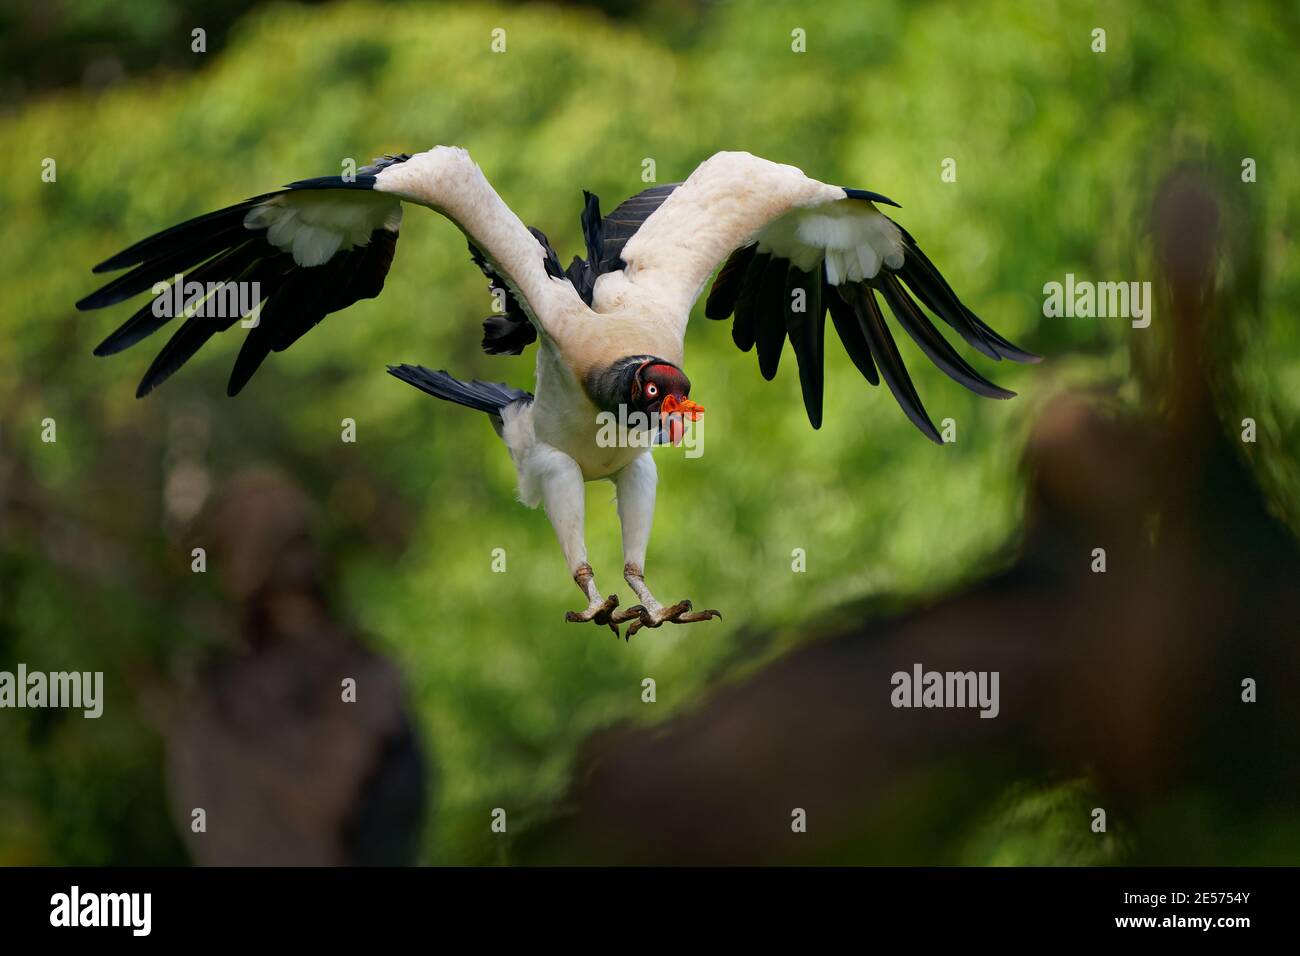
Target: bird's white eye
{"x": 652, "y": 390}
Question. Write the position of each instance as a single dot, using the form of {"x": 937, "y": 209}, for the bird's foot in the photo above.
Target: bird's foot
{"x": 598, "y": 612}
{"x": 642, "y": 616}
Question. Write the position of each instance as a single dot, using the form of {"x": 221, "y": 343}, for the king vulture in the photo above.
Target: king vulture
{"x": 609, "y": 329}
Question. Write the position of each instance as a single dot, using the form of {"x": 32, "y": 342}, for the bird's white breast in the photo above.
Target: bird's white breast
{"x": 566, "y": 419}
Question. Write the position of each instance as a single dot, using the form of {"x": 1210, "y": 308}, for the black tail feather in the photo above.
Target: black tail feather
{"x": 489, "y": 397}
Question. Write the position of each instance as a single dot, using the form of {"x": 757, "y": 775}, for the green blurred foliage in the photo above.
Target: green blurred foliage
{"x": 1058, "y": 149}
{"x": 99, "y": 44}
{"x": 1043, "y": 825}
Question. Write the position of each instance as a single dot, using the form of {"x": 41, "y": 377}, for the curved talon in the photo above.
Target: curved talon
{"x": 671, "y": 613}
{"x": 628, "y": 613}
{"x": 697, "y": 616}
{"x": 679, "y": 613}
{"x": 599, "y": 614}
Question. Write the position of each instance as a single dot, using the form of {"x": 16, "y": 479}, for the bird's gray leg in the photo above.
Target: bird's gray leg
{"x": 563, "y": 496}
{"x": 636, "y": 486}
{"x": 598, "y": 609}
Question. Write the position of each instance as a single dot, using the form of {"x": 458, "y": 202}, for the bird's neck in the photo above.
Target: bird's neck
{"x": 610, "y": 386}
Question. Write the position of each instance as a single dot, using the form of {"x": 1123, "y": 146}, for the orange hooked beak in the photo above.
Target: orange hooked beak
{"x": 673, "y": 410}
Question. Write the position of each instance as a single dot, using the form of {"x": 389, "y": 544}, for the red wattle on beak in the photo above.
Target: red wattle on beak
{"x": 672, "y": 405}
{"x": 673, "y": 411}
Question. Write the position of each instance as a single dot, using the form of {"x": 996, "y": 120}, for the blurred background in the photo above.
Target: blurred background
{"x": 373, "y": 559}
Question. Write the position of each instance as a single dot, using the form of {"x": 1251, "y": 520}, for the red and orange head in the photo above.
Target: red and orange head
{"x": 661, "y": 388}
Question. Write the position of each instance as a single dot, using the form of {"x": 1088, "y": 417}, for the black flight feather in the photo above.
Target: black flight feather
{"x": 744, "y": 328}
{"x": 621, "y": 225}
{"x": 850, "y": 331}
{"x": 605, "y": 237}
{"x": 288, "y": 284}
{"x": 551, "y": 258}
{"x": 164, "y": 267}
{"x": 189, "y": 338}
{"x": 145, "y": 322}
{"x": 506, "y": 335}
{"x": 593, "y": 229}
{"x": 929, "y": 285}
{"x": 863, "y": 300}
{"x": 185, "y": 234}
{"x": 769, "y": 324}
{"x": 217, "y": 248}
{"x": 510, "y": 332}
{"x": 726, "y": 287}
{"x": 806, "y": 330}
{"x": 934, "y": 345}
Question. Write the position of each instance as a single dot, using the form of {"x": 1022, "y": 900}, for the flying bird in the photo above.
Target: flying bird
{"x": 609, "y": 328}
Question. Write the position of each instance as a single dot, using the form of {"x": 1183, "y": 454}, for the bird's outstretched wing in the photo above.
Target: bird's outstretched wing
{"x": 312, "y": 248}
{"x": 795, "y": 248}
